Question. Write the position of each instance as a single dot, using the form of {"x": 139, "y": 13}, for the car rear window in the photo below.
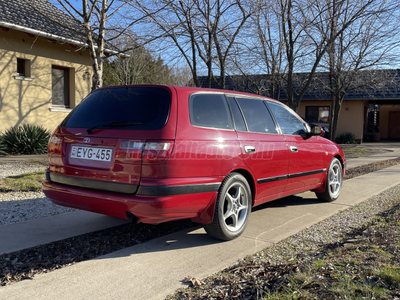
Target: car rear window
{"x": 140, "y": 108}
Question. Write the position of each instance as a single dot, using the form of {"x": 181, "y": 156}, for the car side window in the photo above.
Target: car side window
{"x": 210, "y": 110}
{"x": 257, "y": 116}
{"x": 289, "y": 123}
{"x": 240, "y": 125}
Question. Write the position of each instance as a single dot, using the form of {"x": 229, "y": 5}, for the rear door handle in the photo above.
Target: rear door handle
{"x": 249, "y": 149}
{"x": 294, "y": 149}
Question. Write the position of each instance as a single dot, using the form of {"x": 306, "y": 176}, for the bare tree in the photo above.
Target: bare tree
{"x": 259, "y": 51}
{"x": 181, "y": 75}
{"x": 355, "y": 55}
{"x": 201, "y": 32}
{"x": 100, "y": 22}
{"x": 93, "y": 18}
{"x": 299, "y": 21}
{"x": 285, "y": 47}
{"x": 141, "y": 67}
{"x": 133, "y": 69}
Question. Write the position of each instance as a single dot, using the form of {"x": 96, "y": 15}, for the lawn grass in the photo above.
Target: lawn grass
{"x": 27, "y": 182}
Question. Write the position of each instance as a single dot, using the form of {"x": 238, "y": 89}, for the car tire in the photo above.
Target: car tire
{"x": 232, "y": 208}
{"x": 334, "y": 181}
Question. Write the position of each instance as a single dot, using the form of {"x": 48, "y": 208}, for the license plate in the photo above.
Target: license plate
{"x": 91, "y": 153}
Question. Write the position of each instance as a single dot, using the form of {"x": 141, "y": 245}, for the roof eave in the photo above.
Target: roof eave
{"x": 55, "y": 37}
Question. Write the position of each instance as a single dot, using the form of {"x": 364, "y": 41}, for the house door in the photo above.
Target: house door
{"x": 394, "y": 125}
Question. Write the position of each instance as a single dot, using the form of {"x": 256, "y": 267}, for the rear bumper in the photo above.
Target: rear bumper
{"x": 152, "y": 204}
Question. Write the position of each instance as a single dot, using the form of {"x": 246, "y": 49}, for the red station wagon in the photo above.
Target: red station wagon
{"x": 163, "y": 153}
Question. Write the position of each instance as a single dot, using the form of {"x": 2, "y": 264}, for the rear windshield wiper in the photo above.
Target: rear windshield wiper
{"x": 113, "y": 124}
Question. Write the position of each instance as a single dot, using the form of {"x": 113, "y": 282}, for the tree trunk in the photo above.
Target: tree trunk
{"x": 335, "y": 113}
{"x": 97, "y": 79}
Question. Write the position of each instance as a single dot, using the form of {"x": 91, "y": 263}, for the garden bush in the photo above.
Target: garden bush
{"x": 346, "y": 138}
{"x": 2, "y": 147}
{"x": 25, "y": 139}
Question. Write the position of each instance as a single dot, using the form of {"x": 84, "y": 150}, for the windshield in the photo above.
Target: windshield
{"x": 140, "y": 108}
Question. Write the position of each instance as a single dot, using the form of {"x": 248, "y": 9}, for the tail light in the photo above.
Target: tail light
{"x": 129, "y": 151}
{"x": 146, "y": 152}
{"x": 155, "y": 152}
{"x": 56, "y": 146}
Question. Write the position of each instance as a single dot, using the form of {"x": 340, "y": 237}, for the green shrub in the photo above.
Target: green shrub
{"x": 26, "y": 139}
{"x": 2, "y": 147}
{"x": 346, "y": 138}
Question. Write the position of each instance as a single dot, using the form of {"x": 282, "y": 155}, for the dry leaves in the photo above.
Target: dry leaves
{"x": 193, "y": 281}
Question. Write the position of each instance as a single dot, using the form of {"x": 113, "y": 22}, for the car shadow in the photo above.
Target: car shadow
{"x": 294, "y": 200}
{"x": 196, "y": 236}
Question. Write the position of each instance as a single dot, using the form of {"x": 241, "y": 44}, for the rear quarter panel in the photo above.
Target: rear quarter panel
{"x": 198, "y": 152}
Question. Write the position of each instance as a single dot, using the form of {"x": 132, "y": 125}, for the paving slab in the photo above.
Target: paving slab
{"x": 34, "y": 232}
{"x": 154, "y": 269}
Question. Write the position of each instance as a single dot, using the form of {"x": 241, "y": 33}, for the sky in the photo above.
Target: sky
{"x": 76, "y": 3}
{"x": 166, "y": 54}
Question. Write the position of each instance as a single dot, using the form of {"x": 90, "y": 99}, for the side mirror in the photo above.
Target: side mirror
{"x": 316, "y": 130}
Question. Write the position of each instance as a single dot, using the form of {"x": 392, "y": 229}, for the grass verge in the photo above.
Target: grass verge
{"x": 27, "y": 182}
{"x": 356, "y": 151}
{"x": 366, "y": 265}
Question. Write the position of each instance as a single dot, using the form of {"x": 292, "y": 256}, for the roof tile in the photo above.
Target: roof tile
{"x": 41, "y": 15}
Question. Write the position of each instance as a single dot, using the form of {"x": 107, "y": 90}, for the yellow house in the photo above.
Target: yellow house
{"x": 45, "y": 69}
{"x": 371, "y": 112}
{"x": 368, "y": 120}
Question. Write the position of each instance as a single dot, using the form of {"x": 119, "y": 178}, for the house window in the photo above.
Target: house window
{"x": 317, "y": 114}
{"x": 23, "y": 67}
{"x": 60, "y": 87}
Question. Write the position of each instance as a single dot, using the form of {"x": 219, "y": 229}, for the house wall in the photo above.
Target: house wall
{"x": 351, "y": 118}
{"x": 384, "y": 119}
{"x": 30, "y": 102}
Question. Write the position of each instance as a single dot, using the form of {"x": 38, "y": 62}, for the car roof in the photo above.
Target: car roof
{"x": 187, "y": 89}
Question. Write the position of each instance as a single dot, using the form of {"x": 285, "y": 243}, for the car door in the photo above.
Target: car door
{"x": 306, "y": 155}
{"x": 263, "y": 148}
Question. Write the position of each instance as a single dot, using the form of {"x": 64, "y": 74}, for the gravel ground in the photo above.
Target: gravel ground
{"x": 17, "y": 168}
{"x": 22, "y": 206}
